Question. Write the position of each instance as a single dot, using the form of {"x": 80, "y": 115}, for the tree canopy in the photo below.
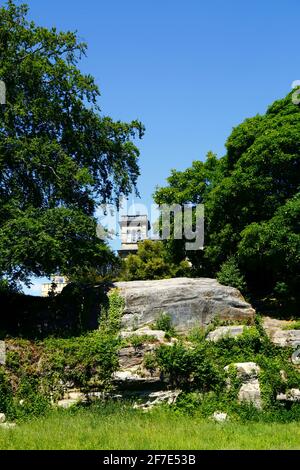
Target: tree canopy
{"x": 59, "y": 156}
{"x": 152, "y": 261}
{"x": 251, "y": 198}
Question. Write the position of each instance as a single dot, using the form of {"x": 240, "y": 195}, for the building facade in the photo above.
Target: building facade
{"x": 134, "y": 229}
{"x": 55, "y": 286}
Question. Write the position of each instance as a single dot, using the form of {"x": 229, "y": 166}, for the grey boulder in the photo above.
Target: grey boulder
{"x": 189, "y": 302}
{"x": 225, "y": 331}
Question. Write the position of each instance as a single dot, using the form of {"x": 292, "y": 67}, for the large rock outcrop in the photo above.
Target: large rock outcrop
{"x": 189, "y": 302}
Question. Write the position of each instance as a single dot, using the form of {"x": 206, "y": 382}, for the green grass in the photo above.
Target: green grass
{"x": 123, "y": 428}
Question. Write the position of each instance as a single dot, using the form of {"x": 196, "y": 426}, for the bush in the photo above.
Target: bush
{"x": 6, "y": 395}
{"x": 189, "y": 367}
{"x": 164, "y": 323}
{"x": 39, "y": 371}
{"x": 230, "y": 275}
{"x": 111, "y": 316}
{"x": 152, "y": 262}
{"x": 136, "y": 341}
{"x": 83, "y": 360}
{"x": 30, "y": 399}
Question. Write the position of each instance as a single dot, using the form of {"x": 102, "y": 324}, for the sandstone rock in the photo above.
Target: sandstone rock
{"x": 220, "y": 417}
{"x": 250, "y": 389}
{"x": 224, "y": 331}
{"x": 130, "y": 379}
{"x": 250, "y": 393}
{"x": 130, "y": 357}
{"x": 2, "y": 418}
{"x": 67, "y": 403}
{"x": 75, "y": 395}
{"x": 291, "y": 395}
{"x": 286, "y": 338}
{"x": 245, "y": 370}
{"x": 280, "y": 336}
{"x": 158, "y": 398}
{"x": 189, "y": 302}
{"x": 7, "y": 425}
{"x": 158, "y": 335}
{"x": 2, "y": 353}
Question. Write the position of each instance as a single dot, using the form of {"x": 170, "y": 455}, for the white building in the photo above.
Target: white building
{"x": 134, "y": 228}
{"x": 55, "y": 286}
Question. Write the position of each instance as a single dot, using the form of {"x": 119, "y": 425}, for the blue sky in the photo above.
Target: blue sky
{"x": 189, "y": 70}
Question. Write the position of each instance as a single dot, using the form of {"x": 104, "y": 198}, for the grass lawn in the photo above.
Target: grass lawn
{"x": 117, "y": 428}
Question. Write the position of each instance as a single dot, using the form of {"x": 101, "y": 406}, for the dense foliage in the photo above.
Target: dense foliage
{"x": 252, "y": 205}
{"x": 152, "y": 261}
{"x": 197, "y": 367}
{"x": 40, "y": 372}
{"x": 59, "y": 157}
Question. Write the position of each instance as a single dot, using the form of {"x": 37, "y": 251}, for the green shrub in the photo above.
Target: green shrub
{"x": 295, "y": 325}
{"x": 6, "y": 395}
{"x": 175, "y": 362}
{"x": 230, "y": 275}
{"x": 30, "y": 399}
{"x": 82, "y": 360}
{"x": 189, "y": 367}
{"x": 152, "y": 262}
{"x": 164, "y": 323}
{"x": 13, "y": 360}
{"x": 150, "y": 362}
{"x": 136, "y": 341}
{"x": 111, "y": 316}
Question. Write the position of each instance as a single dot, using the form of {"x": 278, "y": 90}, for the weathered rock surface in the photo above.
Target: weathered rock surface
{"x": 286, "y": 338}
{"x": 189, "y": 302}
{"x": 224, "y": 331}
{"x": 250, "y": 388}
{"x": 132, "y": 379}
{"x": 280, "y": 336}
{"x": 158, "y": 335}
{"x": 130, "y": 357}
{"x": 2, "y": 353}
{"x": 4, "y": 424}
{"x": 67, "y": 403}
{"x": 245, "y": 370}
{"x": 7, "y": 425}
{"x": 132, "y": 374}
{"x": 220, "y": 417}
{"x": 250, "y": 393}
{"x": 291, "y": 395}
{"x": 158, "y": 398}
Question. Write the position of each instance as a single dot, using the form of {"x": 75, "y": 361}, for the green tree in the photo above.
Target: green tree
{"x": 251, "y": 201}
{"x": 152, "y": 262}
{"x": 273, "y": 248}
{"x": 230, "y": 275}
{"x": 59, "y": 157}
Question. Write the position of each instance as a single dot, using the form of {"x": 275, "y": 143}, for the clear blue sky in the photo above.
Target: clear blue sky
{"x": 189, "y": 70}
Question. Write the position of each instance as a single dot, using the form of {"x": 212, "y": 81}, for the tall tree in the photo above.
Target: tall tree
{"x": 59, "y": 157}
{"x": 251, "y": 198}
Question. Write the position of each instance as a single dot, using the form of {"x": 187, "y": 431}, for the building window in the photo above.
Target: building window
{"x": 134, "y": 236}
